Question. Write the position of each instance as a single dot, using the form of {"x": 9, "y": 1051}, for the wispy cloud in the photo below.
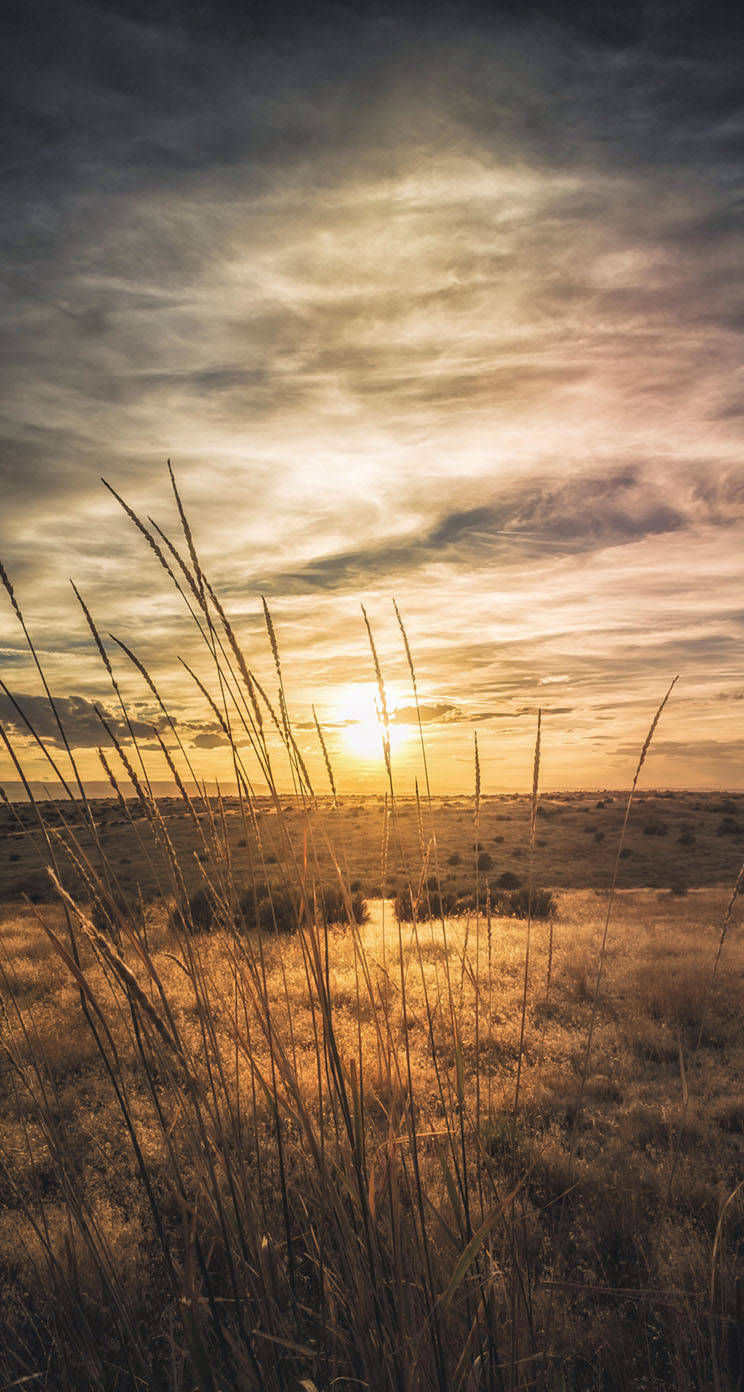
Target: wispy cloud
{"x": 447, "y": 309}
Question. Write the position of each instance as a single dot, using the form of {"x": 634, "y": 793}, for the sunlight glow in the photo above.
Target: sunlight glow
{"x": 357, "y": 711}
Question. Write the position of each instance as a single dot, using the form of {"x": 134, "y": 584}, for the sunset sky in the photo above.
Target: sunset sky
{"x": 443, "y": 304}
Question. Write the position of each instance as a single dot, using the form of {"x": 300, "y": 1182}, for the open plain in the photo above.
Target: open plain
{"x": 507, "y": 1149}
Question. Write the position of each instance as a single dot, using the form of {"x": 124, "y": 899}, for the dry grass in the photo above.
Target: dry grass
{"x": 620, "y": 1229}
{"x": 485, "y": 1152}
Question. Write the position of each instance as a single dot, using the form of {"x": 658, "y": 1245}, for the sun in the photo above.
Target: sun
{"x": 356, "y": 712}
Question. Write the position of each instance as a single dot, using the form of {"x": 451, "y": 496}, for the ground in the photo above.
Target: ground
{"x": 627, "y": 1226}
{"x": 675, "y": 840}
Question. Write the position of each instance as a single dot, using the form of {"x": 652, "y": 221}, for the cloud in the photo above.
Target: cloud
{"x": 78, "y": 716}
{"x": 719, "y": 753}
{"x": 440, "y": 712}
{"x": 444, "y": 304}
{"x": 583, "y": 515}
{"x": 209, "y": 741}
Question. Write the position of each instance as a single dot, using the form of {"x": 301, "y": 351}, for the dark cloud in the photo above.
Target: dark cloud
{"x": 578, "y": 517}
{"x": 209, "y": 741}
{"x": 80, "y": 721}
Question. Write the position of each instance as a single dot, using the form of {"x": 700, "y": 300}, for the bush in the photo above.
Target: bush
{"x": 196, "y": 915}
{"x": 275, "y": 910}
{"x": 105, "y": 918}
{"x": 439, "y": 905}
{"x": 516, "y": 903}
{"x": 484, "y": 861}
{"x": 335, "y": 907}
{"x": 728, "y": 827}
{"x": 655, "y": 829}
{"x": 508, "y": 880}
{"x": 454, "y": 859}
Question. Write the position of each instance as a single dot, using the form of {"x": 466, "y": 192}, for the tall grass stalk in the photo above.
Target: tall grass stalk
{"x": 310, "y": 1128}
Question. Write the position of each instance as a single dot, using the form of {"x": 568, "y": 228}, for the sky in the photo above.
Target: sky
{"x": 440, "y": 304}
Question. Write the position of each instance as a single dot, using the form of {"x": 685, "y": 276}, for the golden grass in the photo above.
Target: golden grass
{"x": 443, "y": 1154}
{"x": 621, "y": 1232}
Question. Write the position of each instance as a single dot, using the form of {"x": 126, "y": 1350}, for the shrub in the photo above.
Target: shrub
{"x": 197, "y": 915}
{"x": 729, "y": 827}
{"x": 273, "y": 911}
{"x": 335, "y": 906}
{"x": 105, "y": 918}
{"x": 276, "y": 910}
{"x": 484, "y": 861}
{"x": 454, "y": 859}
{"x": 438, "y": 904}
{"x": 655, "y": 829}
{"x": 516, "y": 903}
{"x": 508, "y": 880}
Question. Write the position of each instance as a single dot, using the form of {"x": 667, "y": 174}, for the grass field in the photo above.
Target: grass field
{"x": 675, "y": 840}
{"x": 258, "y": 1136}
{"x": 612, "y": 1255}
